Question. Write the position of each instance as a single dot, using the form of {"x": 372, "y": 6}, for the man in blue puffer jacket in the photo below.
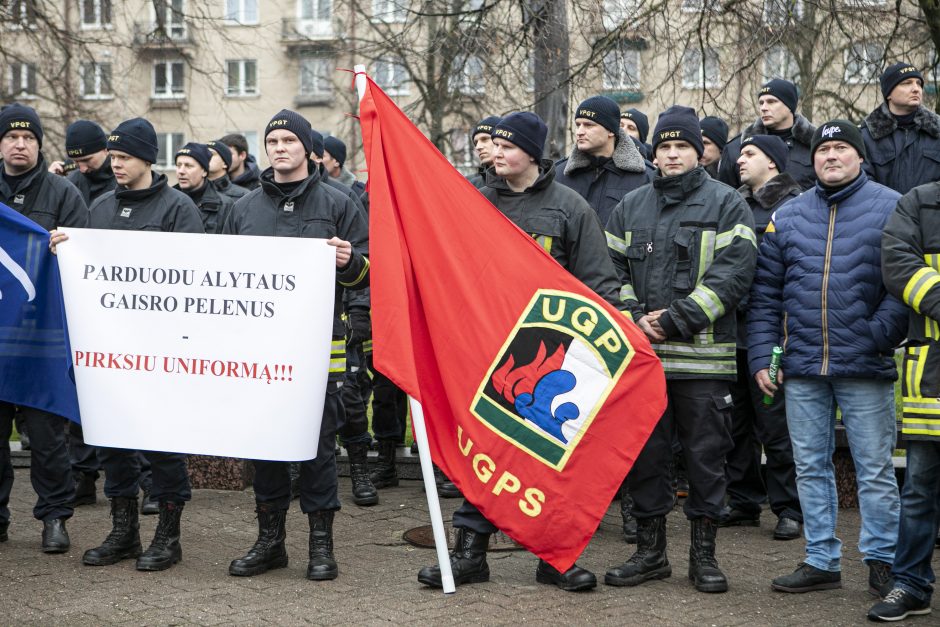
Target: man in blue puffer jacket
{"x": 818, "y": 293}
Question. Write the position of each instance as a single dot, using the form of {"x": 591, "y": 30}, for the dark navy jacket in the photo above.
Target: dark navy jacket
{"x": 902, "y": 158}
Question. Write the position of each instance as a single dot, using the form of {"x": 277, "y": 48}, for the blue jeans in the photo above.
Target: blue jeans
{"x": 920, "y": 515}
{"x": 868, "y": 415}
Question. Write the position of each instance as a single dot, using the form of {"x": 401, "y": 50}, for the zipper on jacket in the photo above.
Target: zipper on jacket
{"x": 825, "y": 289}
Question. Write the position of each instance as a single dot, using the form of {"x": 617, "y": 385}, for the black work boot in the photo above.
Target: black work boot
{"x": 880, "y": 581}
{"x": 385, "y": 474}
{"x": 322, "y": 564}
{"x": 626, "y": 513}
{"x": 649, "y": 561}
{"x": 703, "y": 567}
{"x": 55, "y": 537}
{"x": 85, "y": 491}
{"x": 165, "y": 550}
{"x": 124, "y": 540}
{"x": 149, "y": 506}
{"x": 445, "y": 487}
{"x": 268, "y": 551}
{"x": 467, "y": 560}
{"x": 364, "y": 493}
{"x": 575, "y": 579}
{"x": 4, "y": 526}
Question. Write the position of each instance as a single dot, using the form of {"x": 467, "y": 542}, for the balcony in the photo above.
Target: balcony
{"x": 308, "y": 34}
{"x": 176, "y": 36}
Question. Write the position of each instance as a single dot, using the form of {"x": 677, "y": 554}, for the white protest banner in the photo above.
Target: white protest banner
{"x": 206, "y": 344}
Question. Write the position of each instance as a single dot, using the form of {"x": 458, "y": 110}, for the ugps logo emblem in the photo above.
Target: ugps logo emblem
{"x": 552, "y": 375}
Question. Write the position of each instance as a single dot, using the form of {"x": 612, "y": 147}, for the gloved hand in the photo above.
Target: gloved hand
{"x": 359, "y": 324}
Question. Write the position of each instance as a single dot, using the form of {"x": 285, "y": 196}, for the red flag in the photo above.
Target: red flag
{"x": 538, "y": 395}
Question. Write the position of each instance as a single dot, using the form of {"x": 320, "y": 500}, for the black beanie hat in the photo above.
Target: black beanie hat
{"x": 486, "y": 125}
{"x": 524, "y": 129}
{"x": 715, "y": 129}
{"x": 678, "y": 123}
{"x": 838, "y": 130}
{"x": 784, "y": 91}
{"x": 222, "y": 150}
{"x": 775, "y": 148}
{"x": 897, "y": 73}
{"x": 83, "y": 138}
{"x": 295, "y": 123}
{"x": 336, "y": 148}
{"x": 17, "y": 117}
{"x": 199, "y": 152}
{"x": 316, "y": 142}
{"x": 639, "y": 118}
{"x": 137, "y": 138}
{"x": 602, "y": 110}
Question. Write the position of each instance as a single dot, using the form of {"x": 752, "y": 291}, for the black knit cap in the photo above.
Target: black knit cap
{"x": 18, "y": 117}
{"x": 524, "y": 129}
{"x": 137, "y": 138}
{"x": 838, "y": 130}
{"x": 486, "y": 125}
{"x": 199, "y": 152}
{"x": 639, "y": 118}
{"x": 336, "y": 148}
{"x": 295, "y": 123}
{"x": 897, "y": 73}
{"x": 678, "y": 123}
{"x": 602, "y": 110}
{"x": 316, "y": 142}
{"x": 784, "y": 91}
{"x": 222, "y": 150}
{"x": 775, "y": 148}
{"x": 715, "y": 129}
{"x": 83, "y": 138}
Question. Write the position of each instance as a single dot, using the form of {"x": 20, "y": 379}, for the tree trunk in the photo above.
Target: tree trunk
{"x": 550, "y": 36}
{"x": 931, "y": 9}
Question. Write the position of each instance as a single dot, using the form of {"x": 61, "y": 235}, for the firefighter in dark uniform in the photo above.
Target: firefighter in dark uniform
{"x": 220, "y": 162}
{"x": 50, "y": 201}
{"x": 685, "y": 249}
{"x": 192, "y": 176}
{"x": 142, "y": 202}
{"x": 293, "y": 201}
{"x": 522, "y": 186}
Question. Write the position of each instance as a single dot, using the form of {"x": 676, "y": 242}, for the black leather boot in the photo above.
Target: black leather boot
{"x": 467, "y": 561}
{"x": 364, "y": 493}
{"x": 385, "y": 474}
{"x": 55, "y": 537}
{"x": 124, "y": 540}
{"x": 703, "y": 567}
{"x": 268, "y": 551}
{"x": 149, "y": 506}
{"x": 165, "y": 550}
{"x": 649, "y": 561}
{"x": 322, "y": 564}
{"x": 85, "y": 491}
{"x": 575, "y": 579}
{"x": 445, "y": 487}
{"x": 626, "y": 513}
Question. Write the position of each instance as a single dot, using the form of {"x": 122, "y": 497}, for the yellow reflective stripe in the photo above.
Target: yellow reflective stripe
{"x": 933, "y": 260}
{"x": 367, "y": 345}
{"x": 338, "y": 365}
{"x": 706, "y": 253}
{"x": 919, "y": 370}
{"x": 710, "y": 351}
{"x": 919, "y": 406}
{"x": 918, "y": 286}
{"x": 338, "y": 346}
{"x": 740, "y": 230}
{"x": 708, "y": 301}
{"x": 546, "y": 242}
{"x": 909, "y": 361}
{"x": 627, "y": 293}
{"x": 628, "y": 315}
{"x": 699, "y": 367}
{"x": 362, "y": 275}
{"x": 615, "y": 243}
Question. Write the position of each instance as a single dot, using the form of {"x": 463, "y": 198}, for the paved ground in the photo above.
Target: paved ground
{"x": 377, "y": 582}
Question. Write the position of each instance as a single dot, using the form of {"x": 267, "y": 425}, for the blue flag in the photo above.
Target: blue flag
{"x": 35, "y": 366}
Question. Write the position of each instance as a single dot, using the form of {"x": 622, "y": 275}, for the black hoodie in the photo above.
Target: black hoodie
{"x": 157, "y": 208}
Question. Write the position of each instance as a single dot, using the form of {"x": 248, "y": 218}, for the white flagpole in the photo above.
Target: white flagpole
{"x": 424, "y": 452}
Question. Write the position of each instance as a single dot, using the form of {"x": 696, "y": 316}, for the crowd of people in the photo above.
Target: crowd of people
{"x": 818, "y": 242}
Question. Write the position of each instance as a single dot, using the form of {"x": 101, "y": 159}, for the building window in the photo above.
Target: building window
{"x": 95, "y": 13}
{"x": 863, "y": 62}
{"x": 782, "y": 12}
{"x": 316, "y": 76}
{"x": 698, "y": 71}
{"x": 19, "y": 13}
{"x": 167, "y": 146}
{"x": 241, "y": 77}
{"x": 622, "y": 67}
{"x": 468, "y": 78}
{"x": 168, "y": 79}
{"x": 779, "y": 62}
{"x": 315, "y": 18}
{"x": 168, "y": 17}
{"x": 616, "y": 12}
{"x": 462, "y": 154}
{"x": 96, "y": 80}
{"x": 316, "y": 9}
{"x": 392, "y": 77}
{"x": 22, "y": 80}
{"x": 241, "y": 11}
{"x": 389, "y": 10}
